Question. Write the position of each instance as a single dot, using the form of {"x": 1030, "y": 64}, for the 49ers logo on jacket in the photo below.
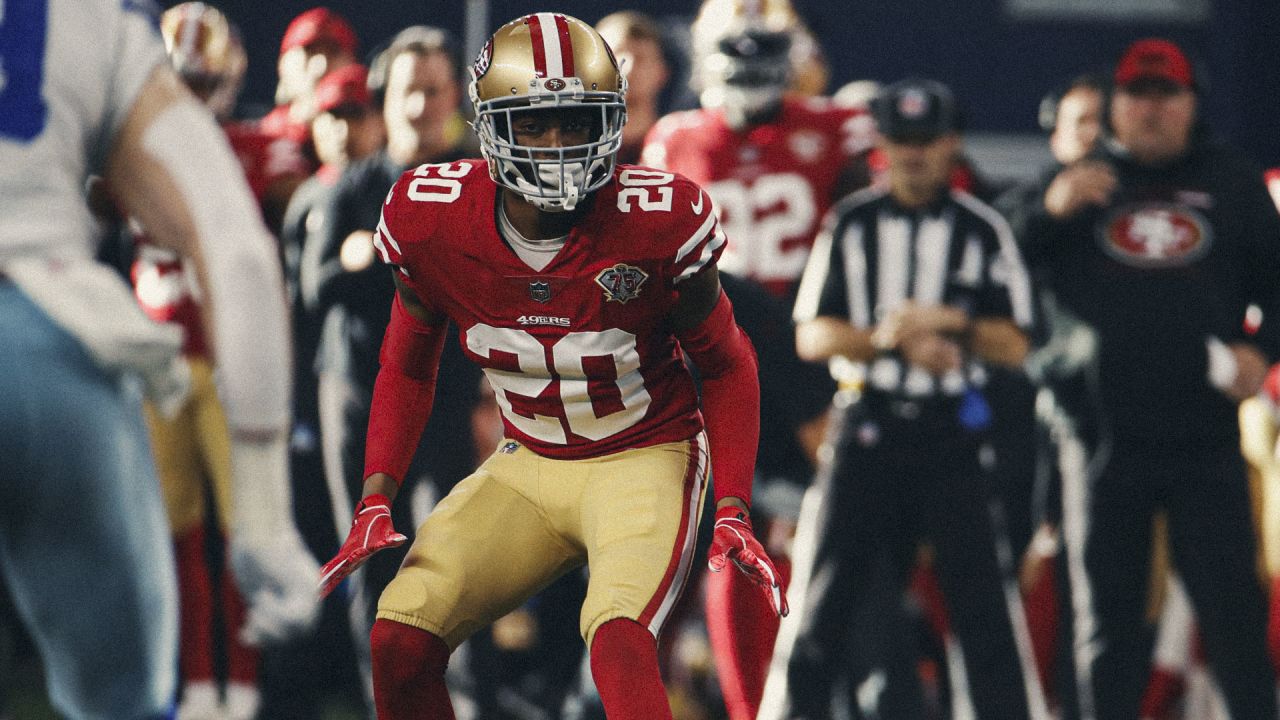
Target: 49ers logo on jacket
{"x": 1155, "y": 235}
{"x": 621, "y": 282}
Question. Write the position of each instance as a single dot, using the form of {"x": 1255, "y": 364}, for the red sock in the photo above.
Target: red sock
{"x": 924, "y": 584}
{"x": 1040, "y": 604}
{"x": 1273, "y": 626}
{"x": 195, "y": 593}
{"x": 408, "y": 673}
{"x": 242, "y": 660}
{"x": 742, "y": 628}
{"x": 1164, "y": 690}
{"x": 624, "y": 663}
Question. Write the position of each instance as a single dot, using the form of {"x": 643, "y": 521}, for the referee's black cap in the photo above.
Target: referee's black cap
{"x": 917, "y": 110}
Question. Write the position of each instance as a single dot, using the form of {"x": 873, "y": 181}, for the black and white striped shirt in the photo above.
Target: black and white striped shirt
{"x": 873, "y": 255}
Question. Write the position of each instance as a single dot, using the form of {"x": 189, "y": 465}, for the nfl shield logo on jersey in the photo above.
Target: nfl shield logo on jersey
{"x": 621, "y": 282}
{"x": 540, "y": 291}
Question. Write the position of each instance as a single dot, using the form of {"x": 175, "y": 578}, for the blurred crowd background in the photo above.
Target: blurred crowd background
{"x": 1000, "y": 56}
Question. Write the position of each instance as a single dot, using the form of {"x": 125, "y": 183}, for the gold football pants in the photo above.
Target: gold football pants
{"x": 522, "y": 520}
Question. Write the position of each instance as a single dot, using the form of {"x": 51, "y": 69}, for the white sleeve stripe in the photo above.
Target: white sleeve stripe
{"x": 378, "y": 236}
{"x": 698, "y": 236}
{"x": 708, "y": 251}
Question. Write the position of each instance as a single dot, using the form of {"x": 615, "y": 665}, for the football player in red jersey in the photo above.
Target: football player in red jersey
{"x": 1271, "y": 487}
{"x": 190, "y": 438}
{"x": 575, "y": 284}
{"x": 206, "y": 51}
{"x": 1260, "y": 440}
{"x": 773, "y": 162}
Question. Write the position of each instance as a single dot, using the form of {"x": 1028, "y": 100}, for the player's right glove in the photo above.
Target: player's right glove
{"x": 733, "y": 540}
{"x": 371, "y": 531}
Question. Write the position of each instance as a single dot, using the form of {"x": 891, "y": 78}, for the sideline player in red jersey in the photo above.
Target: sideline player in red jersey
{"x": 190, "y": 440}
{"x": 206, "y": 51}
{"x": 575, "y": 284}
{"x": 773, "y": 162}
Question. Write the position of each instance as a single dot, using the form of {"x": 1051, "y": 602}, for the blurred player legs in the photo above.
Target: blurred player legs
{"x": 96, "y": 476}
{"x": 191, "y": 448}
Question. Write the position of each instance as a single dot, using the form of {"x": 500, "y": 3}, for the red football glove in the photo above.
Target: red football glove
{"x": 371, "y": 531}
{"x": 733, "y": 539}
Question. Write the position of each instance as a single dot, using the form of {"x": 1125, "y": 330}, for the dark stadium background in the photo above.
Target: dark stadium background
{"x": 1000, "y": 65}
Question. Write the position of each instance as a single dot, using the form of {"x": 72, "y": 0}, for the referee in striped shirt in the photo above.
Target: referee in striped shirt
{"x": 910, "y": 289}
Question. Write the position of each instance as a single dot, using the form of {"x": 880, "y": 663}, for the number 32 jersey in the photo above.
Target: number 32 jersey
{"x": 579, "y": 354}
{"x": 771, "y": 184}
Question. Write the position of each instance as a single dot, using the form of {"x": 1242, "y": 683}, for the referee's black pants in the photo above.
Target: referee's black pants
{"x": 1110, "y": 495}
{"x": 902, "y": 472}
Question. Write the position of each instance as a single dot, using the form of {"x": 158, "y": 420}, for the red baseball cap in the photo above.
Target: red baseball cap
{"x": 319, "y": 23}
{"x": 1154, "y": 59}
{"x": 345, "y": 86}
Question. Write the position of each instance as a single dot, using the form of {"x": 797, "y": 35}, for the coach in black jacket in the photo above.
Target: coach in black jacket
{"x": 1152, "y": 252}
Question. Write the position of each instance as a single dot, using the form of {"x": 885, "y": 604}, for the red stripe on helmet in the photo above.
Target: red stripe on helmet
{"x": 566, "y": 45}
{"x": 535, "y": 38}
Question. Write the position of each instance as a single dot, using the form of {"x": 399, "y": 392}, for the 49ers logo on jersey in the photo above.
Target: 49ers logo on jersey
{"x": 807, "y": 145}
{"x": 621, "y": 282}
{"x": 1155, "y": 235}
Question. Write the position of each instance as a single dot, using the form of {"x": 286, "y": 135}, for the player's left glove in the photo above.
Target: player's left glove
{"x": 371, "y": 531}
{"x": 733, "y": 540}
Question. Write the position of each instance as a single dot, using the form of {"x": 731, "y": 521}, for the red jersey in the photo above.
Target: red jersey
{"x": 1273, "y": 185}
{"x": 162, "y": 280}
{"x": 278, "y": 124}
{"x": 771, "y": 183}
{"x": 264, "y": 157}
{"x": 165, "y": 286}
{"x": 579, "y": 354}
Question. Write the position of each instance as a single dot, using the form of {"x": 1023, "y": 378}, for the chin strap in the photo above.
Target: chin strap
{"x": 572, "y": 196}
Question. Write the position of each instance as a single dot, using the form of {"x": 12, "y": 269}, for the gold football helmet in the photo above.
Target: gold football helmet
{"x": 205, "y": 50}
{"x": 743, "y": 56}
{"x": 547, "y": 62}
